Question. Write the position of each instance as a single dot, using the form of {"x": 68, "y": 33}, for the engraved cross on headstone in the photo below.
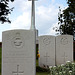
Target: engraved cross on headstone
{"x": 64, "y": 56}
{"x": 18, "y": 72}
{"x": 33, "y": 15}
{"x": 46, "y": 56}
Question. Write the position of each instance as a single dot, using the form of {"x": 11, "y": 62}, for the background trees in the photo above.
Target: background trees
{"x": 5, "y": 10}
{"x": 66, "y": 19}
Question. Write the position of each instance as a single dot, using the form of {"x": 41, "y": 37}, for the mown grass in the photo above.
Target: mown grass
{"x": 41, "y": 73}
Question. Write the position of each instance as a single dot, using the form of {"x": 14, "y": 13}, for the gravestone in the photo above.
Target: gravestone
{"x": 18, "y": 52}
{"x": 64, "y": 49}
{"x": 46, "y": 51}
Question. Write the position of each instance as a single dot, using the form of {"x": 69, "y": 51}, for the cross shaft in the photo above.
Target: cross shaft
{"x": 33, "y": 15}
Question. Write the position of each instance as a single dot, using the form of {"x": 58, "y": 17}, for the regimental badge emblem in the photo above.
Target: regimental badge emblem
{"x": 46, "y": 41}
{"x": 18, "y": 41}
{"x": 64, "y": 41}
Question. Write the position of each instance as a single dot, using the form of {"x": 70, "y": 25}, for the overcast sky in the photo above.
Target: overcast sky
{"x": 46, "y": 16}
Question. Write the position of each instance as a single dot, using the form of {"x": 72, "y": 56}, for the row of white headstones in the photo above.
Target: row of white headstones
{"x": 55, "y": 50}
{"x": 19, "y": 51}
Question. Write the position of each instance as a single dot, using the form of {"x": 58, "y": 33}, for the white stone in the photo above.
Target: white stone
{"x": 18, "y": 52}
{"x": 64, "y": 49}
{"x": 46, "y": 51}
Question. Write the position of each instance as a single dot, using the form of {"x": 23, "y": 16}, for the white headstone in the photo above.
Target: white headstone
{"x": 47, "y": 51}
{"x": 18, "y": 52}
{"x": 64, "y": 49}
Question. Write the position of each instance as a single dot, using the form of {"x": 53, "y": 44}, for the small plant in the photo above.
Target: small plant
{"x": 67, "y": 69}
{"x": 38, "y": 55}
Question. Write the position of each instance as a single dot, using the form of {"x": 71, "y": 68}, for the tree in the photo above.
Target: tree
{"x": 66, "y": 19}
{"x": 5, "y": 10}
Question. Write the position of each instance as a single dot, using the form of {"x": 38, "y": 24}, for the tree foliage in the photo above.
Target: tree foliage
{"x": 5, "y": 10}
{"x": 66, "y": 19}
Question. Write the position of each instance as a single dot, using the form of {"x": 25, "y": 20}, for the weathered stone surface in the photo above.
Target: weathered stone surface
{"x": 64, "y": 49}
{"x": 18, "y": 52}
{"x": 47, "y": 51}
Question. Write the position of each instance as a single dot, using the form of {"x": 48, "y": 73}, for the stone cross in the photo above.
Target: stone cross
{"x": 18, "y": 72}
{"x": 64, "y": 56}
{"x": 33, "y": 15}
{"x": 46, "y": 56}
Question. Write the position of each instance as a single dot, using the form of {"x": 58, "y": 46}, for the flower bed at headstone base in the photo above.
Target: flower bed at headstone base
{"x": 67, "y": 69}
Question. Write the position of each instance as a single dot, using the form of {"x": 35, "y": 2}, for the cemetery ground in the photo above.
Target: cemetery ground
{"x": 37, "y": 73}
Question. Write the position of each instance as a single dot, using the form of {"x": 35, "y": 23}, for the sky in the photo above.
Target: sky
{"x": 46, "y": 16}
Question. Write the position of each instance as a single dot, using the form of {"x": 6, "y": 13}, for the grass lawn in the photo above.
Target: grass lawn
{"x": 37, "y": 73}
{"x": 40, "y": 73}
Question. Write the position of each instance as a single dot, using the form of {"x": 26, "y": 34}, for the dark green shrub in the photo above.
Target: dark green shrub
{"x": 39, "y": 69}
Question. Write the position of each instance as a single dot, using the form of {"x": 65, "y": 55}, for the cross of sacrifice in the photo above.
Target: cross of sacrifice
{"x": 18, "y": 72}
{"x": 33, "y": 15}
